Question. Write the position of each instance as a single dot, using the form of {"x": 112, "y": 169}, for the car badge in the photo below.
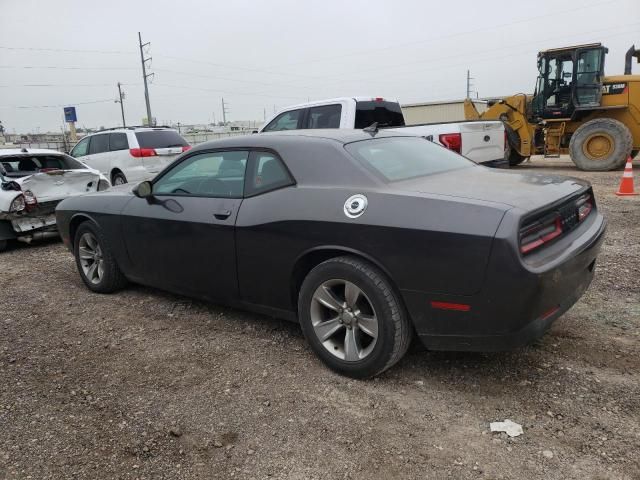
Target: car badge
{"x": 355, "y": 206}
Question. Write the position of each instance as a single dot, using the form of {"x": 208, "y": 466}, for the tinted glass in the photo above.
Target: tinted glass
{"x": 213, "y": 174}
{"x": 81, "y": 148}
{"x": 269, "y": 174}
{"x": 284, "y": 121}
{"x": 387, "y": 114}
{"x": 22, "y": 165}
{"x": 118, "y": 141}
{"x": 326, "y": 116}
{"x": 160, "y": 139}
{"x": 401, "y": 158}
{"x": 99, "y": 144}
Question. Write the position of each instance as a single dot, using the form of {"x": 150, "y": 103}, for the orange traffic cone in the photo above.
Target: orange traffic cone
{"x": 626, "y": 184}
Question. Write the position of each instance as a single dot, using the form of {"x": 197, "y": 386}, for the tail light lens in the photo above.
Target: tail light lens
{"x": 142, "y": 152}
{"x": 536, "y": 234}
{"x": 453, "y": 141}
{"x": 30, "y": 200}
{"x": 186, "y": 147}
{"x": 585, "y": 205}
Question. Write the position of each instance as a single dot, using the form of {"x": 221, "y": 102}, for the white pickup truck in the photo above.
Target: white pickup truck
{"x": 480, "y": 141}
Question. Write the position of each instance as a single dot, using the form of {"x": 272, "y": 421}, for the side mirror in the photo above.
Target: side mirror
{"x": 143, "y": 190}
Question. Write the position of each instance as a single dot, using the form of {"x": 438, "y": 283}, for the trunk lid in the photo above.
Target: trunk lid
{"x": 59, "y": 184}
{"x": 527, "y": 191}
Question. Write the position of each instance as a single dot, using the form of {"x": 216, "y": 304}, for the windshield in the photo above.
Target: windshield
{"x": 160, "y": 139}
{"x": 401, "y": 158}
{"x": 387, "y": 114}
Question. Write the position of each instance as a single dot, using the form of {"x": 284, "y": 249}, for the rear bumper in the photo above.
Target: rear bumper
{"x": 517, "y": 304}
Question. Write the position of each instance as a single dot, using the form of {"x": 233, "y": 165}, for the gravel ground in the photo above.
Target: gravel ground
{"x": 144, "y": 384}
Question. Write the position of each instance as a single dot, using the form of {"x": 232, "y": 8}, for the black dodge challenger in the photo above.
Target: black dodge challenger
{"x": 365, "y": 238}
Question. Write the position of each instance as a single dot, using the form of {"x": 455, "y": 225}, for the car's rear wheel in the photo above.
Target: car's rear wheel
{"x": 352, "y": 317}
{"x": 118, "y": 178}
{"x": 96, "y": 264}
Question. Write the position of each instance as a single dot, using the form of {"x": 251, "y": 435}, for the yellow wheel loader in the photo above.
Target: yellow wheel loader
{"x": 575, "y": 109}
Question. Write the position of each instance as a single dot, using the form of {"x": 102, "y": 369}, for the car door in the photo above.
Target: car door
{"x": 98, "y": 156}
{"x": 182, "y": 238}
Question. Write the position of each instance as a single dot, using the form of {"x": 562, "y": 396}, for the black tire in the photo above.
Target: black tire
{"x": 513, "y": 140}
{"x": 3, "y": 245}
{"x": 118, "y": 178}
{"x": 612, "y": 131}
{"x": 112, "y": 278}
{"x": 394, "y": 330}
{"x": 515, "y": 158}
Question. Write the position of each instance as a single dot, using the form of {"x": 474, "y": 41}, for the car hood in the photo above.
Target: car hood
{"x": 528, "y": 191}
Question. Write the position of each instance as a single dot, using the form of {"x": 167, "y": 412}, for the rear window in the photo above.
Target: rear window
{"x": 401, "y": 158}
{"x": 23, "y": 165}
{"x": 160, "y": 139}
{"x": 387, "y": 114}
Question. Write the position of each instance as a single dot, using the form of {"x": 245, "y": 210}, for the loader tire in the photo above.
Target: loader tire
{"x": 601, "y": 145}
{"x": 513, "y": 140}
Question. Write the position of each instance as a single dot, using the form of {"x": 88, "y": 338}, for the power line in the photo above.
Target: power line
{"x": 492, "y": 27}
{"x": 38, "y": 85}
{"x": 58, "y": 67}
{"x": 67, "y": 50}
{"x": 186, "y": 87}
{"x": 58, "y": 106}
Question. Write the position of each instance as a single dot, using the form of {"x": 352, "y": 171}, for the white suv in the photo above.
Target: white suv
{"x": 130, "y": 154}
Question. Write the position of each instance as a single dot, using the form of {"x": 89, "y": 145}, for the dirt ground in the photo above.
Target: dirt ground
{"x": 144, "y": 384}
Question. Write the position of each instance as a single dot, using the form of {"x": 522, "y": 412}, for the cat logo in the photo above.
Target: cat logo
{"x": 613, "y": 88}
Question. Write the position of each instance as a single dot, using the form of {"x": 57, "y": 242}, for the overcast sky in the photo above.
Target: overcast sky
{"x": 266, "y": 55}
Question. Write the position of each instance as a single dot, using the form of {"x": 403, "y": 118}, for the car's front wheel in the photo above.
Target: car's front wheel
{"x": 96, "y": 264}
{"x": 352, "y": 317}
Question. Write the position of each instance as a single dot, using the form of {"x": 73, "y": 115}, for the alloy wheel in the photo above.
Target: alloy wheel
{"x": 344, "y": 320}
{"x": 91, "y": 259}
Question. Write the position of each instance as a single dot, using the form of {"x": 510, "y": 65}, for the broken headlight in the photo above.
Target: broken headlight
{"x": 103, "y": 185}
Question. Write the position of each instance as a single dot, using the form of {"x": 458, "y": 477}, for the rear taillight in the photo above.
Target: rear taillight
{"x": 142, "y": 152}
{"x": 585, "y": 205}
{"x": 30, "y": 200}
{"x": 543, "y": 231}
{"x": 186, "y": 147}
{"x": 453, "y": 141}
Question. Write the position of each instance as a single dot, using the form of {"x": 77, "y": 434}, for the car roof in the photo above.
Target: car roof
{"x": 133, "y": 128}
{"x": 273, "y": 139}
{"x": 6, "y": 152}
{"x": 336, "y": 100}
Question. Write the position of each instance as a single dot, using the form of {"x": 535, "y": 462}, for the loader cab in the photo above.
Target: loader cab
{"x": 569, "y": 79}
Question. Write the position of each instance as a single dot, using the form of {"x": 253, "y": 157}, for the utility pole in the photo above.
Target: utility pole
{"x": 145, "y": 76}
{"x": 224, "y": 112}
{"x": 469, "y": 84}
{"x": 121, "y": 102}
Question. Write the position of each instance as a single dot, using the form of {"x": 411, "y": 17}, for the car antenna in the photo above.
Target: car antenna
{"x": 371, "y": 129}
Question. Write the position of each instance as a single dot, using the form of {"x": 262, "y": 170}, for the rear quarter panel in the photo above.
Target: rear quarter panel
{"x": 430, "y": 244}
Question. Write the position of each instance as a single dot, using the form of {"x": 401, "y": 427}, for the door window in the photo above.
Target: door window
{"x": 284, "y": 121}
{"x": 589, "y": 85}
{"x": 211, "y": 174}
{"x": 326, "y": 116}
{"x": 269, "y": 173}
{"x": 118, "y": 141}
{"x": 99, "y": 144}
{"x": 81, "y": 148}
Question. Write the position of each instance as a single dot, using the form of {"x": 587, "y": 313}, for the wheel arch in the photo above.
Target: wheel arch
{"x": 312, "y": 257}
{"x": 76, "y": 220}
{"x": 114, "y": 172}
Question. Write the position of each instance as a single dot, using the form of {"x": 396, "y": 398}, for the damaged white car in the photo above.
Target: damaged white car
{"x": 32, "y": 184}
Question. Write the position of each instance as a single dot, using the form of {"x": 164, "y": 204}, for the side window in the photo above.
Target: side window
{"x": 211, "y": 174}
{"x": 81, "y": 148}
{"x": 268, "y": 173}
{"x": 118, "y": 141}
{"x": 284, "y": 121}
{"x": 99, "y": 144}
{"x": 326, "y": 116}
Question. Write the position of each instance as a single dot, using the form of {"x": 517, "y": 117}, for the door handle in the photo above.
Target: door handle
{"x": 222, "y": 215}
